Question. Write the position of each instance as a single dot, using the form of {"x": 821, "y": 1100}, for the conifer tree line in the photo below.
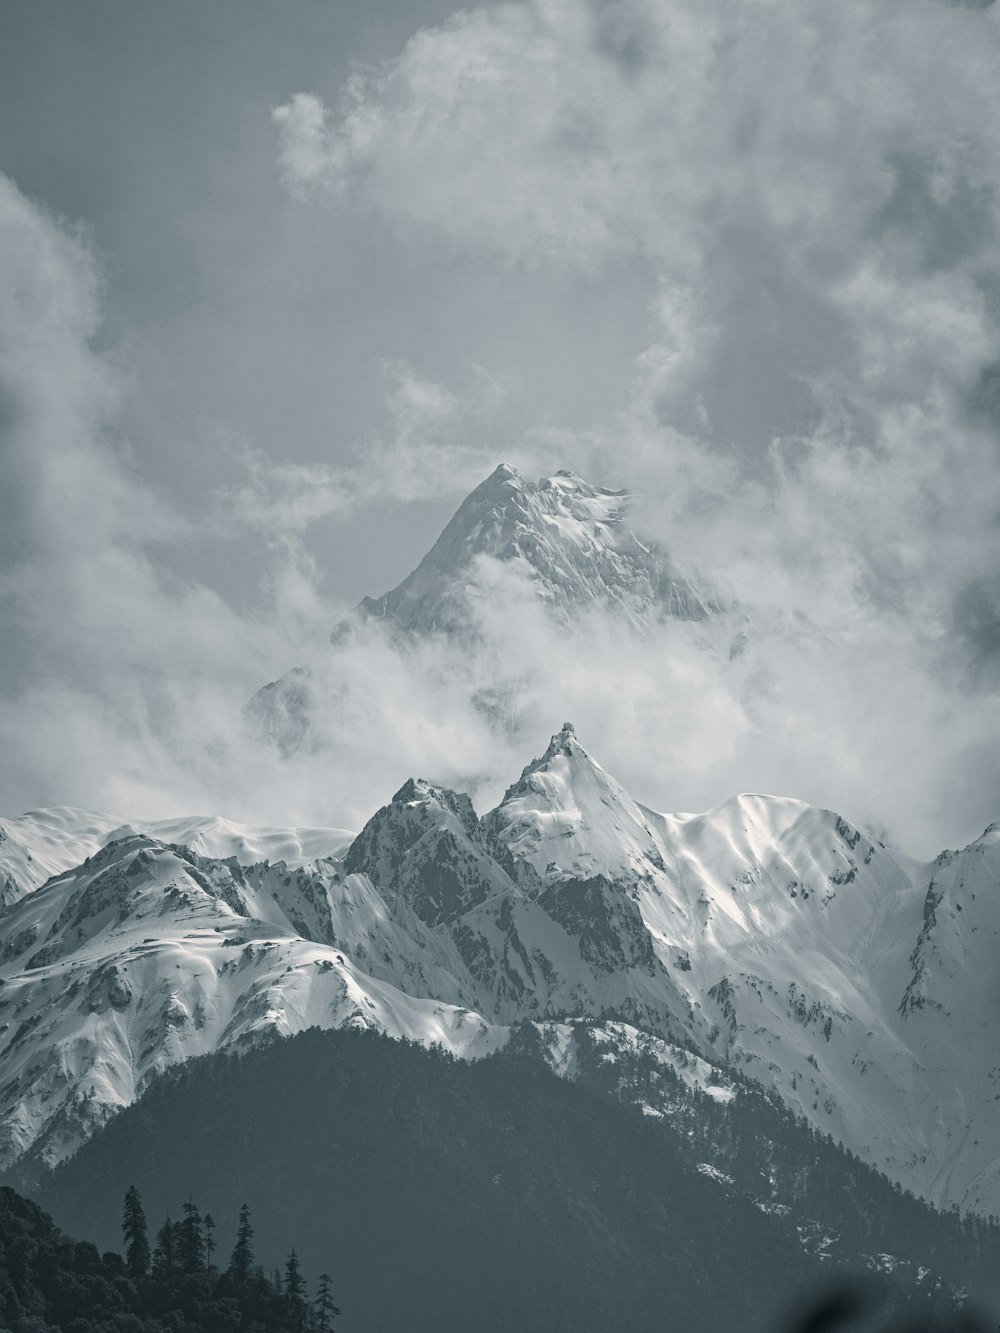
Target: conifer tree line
{"x": 179, "y": 1275}
{"x": 52, "y": 1284}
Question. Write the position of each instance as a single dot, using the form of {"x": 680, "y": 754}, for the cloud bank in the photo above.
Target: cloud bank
{"x": 126, "y": 676}
{"x": 807, "y": 196}
{"x": 813, "y": 194}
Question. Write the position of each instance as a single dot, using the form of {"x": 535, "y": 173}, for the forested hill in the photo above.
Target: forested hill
{"x": 50, "y": 1282}
{"x": 446, "y": 1196}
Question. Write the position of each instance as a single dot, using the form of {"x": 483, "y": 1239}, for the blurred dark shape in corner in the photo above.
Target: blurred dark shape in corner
{"x": 864, "y": 1307}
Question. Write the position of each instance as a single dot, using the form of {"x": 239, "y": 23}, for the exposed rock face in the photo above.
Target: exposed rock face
{"x": 427, "y": 849}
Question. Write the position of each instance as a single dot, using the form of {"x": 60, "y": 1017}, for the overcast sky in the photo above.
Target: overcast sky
{"x": 279, "y": 283}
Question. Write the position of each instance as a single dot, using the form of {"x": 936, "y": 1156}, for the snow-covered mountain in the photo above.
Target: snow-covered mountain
{"x": 571, "y": 539}
{"x": 147, "y": 954}
{"x": 765, "y": 938}
{"x": 41, "y": 844}
{"x": 560, "y": 545}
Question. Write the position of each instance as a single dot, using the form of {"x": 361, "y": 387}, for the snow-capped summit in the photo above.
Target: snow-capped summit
{"x": 572, "y": 542}
{"x": 559, "y": 548}
{"x": 566, "y": 817}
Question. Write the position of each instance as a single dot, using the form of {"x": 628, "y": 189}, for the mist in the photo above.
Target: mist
{"x": 573, "y": 235}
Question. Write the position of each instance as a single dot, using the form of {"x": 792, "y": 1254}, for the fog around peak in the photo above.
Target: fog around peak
{"x": 747, "y": 272}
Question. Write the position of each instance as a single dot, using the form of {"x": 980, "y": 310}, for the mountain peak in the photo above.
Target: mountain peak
{"x": 426, "y": 847}
{"x": 416, "y": 789}
{"x": 437, "y": 803}
{"x": 570, "y": 538}
{"x": 565, "y": 816}
{"x": 564, "y": 480}
{"x": 501, "y": 475}
{"x": 567, "y": 756}
{"x": 560, "y": 547}
{"x": 563, "y": 742}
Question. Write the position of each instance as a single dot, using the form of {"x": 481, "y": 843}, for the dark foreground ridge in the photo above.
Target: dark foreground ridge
{"x": 447, "y": 1196}
{"x": 48, "y": 1281}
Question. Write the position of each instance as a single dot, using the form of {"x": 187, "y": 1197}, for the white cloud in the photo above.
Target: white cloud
{"x": 302, "y": 129}
{"x": 812, "y": 190}
{"x": 752, "y": 155}
{"x": 438, "y": 443}
{"x": 129, "y": 677}
{"x": 808, "y": 192}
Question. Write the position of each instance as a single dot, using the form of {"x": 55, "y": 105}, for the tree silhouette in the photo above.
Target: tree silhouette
{"x": 325, "y": 1312}
{"x": 242, "y": 1261}
{"x": 192, "y": 1240}
{"x": 165, "y": 1253}
{"x": 51, "y": 1284}
{"x": 134, "y": 1232}
{"x": 295, "y": 1293}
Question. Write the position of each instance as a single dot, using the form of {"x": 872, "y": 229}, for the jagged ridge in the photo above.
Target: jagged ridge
{"x": 765, "y": 936}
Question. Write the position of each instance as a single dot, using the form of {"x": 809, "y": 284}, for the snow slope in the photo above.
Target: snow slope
{"x": 764, "y": 937}
{"x": 42, "y": 843}
{"x": 146, "y": 955}
{"x": 572, "y": 540}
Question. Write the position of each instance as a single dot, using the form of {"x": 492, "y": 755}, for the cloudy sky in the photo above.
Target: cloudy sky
{"x": 279, "y": 283}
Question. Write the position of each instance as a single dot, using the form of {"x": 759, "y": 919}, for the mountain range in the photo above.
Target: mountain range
{"x": 766, "y": 980}
{"x": 765, "y": 937}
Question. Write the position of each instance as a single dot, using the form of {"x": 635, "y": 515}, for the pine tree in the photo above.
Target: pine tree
{"x": 295, "y": 1293}
{"x": 209, "y": 1225}
{"x": 241, "y": 1263}
{"x": 136, "y": 1238}
{"x": 164, "y": 1255}
{"x": 325, "y": 1310}
{"x": 192, "y": 1240}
